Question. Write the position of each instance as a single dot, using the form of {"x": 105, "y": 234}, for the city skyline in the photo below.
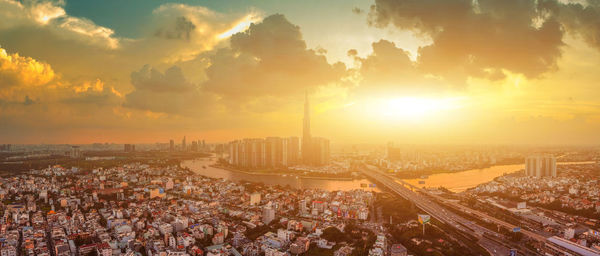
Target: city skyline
{"x": 448, "y": 72}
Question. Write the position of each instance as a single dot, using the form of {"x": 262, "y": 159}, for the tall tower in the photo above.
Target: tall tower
{"x": 306, "y": 138}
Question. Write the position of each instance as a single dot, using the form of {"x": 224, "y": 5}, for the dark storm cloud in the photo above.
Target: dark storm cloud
{"x": 181, "y": 29}
{"x": 269, "y": 59}
{"x": 477, "y": 38}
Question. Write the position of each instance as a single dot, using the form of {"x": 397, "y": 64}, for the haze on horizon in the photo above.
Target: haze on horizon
{"x": 411, "y": 71}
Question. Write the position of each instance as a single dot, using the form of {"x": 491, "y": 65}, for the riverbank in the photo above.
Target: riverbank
{"x": 283, "y": 174}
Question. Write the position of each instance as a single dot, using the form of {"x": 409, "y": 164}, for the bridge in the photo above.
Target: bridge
{"x": 439, "y": 211}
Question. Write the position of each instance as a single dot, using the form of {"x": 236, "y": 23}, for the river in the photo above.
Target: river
{"x": 455, "y": 182}
{"x": 461, "y": 181}
{"x": 197, "y": 166}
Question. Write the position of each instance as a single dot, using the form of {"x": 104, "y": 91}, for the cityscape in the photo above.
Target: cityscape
{"x": 299, "y": 128}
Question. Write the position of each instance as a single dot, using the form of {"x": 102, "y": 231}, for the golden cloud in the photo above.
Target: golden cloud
{"x": 16, "y": 71}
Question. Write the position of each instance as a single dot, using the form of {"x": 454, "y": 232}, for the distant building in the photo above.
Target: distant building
{"x": 540, "y": 166}
{"x": 5, "y": 147}
{"x": 183, "y": 145}
{"x": 393, "y": 153}
{"x": 75, "y": 152}
{"x": 129, "y": 148}
{"x": 171, "y": 145}
{"x": 194, "y": 146}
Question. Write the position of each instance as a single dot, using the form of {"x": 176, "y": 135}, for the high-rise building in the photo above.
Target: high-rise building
{"x": 194, "y": 146}
{"x": 320, "y": 151}
{"x": 275, "y": 152}
{"x": 268, "y": 214}
{"x": 306, "y": 138}
{"x": 183, "y": 146}
{"x": 315, "y": 151}
{"x": 291, "y": 151}
{"x": 171, "y": 145}
{"x": 540, "y": 166}
{"x": 272, "y": 152}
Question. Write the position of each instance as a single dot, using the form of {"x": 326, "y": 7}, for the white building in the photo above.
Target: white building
{"x": 268, "y": 214}
{"x": 254, "y": 198}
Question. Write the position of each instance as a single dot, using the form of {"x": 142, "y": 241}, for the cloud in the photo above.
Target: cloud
{"x": 18, "y": 71}
{"x": 389, "y": 69}
{"x": 181, "y": 29}
{"x": 581, "y": 19}
{"x": 151, "y": 79}
{"x": 93, "y": 93}
{"x": 184, "y": 31}
{"x": 51, "y": 15}
{"x": 169, "y": 92}
{"x": 357, "y": 10}
{"x": 269, "y": 59}
{"x": 477, "y": 38}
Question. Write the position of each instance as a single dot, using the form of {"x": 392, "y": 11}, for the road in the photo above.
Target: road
{"x": 441, "y": 213}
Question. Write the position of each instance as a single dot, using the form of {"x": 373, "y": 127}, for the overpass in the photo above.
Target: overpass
{"x": 439, "y": 212}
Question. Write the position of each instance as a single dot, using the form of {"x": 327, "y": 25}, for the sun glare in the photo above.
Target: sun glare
{"x": 240, "y": 26}
{"x": 414, "y": 108}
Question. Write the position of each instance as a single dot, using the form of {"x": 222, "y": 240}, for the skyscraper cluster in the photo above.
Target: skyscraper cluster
{"x": 274, "y": 152}
{"x": 198, "y": 145}
{"x": 540, "y": 166}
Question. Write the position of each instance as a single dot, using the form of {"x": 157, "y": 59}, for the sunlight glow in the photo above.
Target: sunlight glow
{"x": 413, "y": 108}
{"x": 242, "y": 25}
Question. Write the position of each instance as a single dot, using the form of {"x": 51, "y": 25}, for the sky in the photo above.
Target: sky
{"x": 407, "y": 71}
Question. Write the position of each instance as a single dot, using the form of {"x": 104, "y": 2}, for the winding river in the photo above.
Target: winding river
{"x": 456, "y": 182}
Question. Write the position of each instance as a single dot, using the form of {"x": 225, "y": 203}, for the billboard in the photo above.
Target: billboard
{"x": 423, "y": 218}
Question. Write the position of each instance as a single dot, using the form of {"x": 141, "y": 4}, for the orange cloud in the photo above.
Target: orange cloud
{"x": 16, "y": 71}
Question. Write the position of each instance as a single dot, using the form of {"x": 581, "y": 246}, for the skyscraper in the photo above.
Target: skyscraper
{"x": 171, "y": 145}
{"x": 183, "y": 147}
{"x": 320, "y": 151}
{"x": 540, "y": 166}
{"x": 306, "y": 138}
{"x": 291, "y": 151}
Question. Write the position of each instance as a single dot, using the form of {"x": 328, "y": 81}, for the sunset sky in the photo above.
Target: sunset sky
{"x": 408, "y": 71}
